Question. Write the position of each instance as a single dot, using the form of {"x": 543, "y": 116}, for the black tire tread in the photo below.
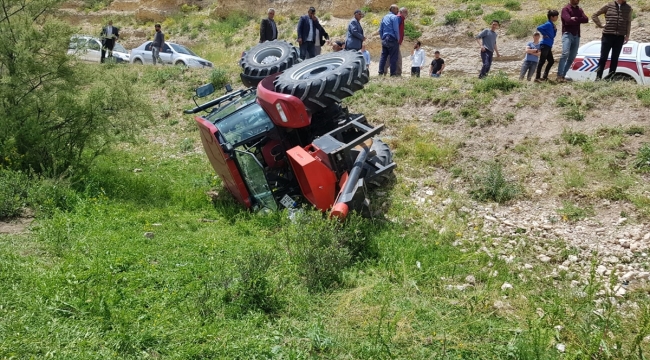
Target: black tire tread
{"x": 384, "y": 156}
{"x": 329, "y": 87}
{"x": 254, "y": 69}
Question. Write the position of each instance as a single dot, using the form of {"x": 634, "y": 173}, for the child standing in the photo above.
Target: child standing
{"x": 548, "y": 31}
{"x": 417, "y": 59}
{"x": 532, "y": 57}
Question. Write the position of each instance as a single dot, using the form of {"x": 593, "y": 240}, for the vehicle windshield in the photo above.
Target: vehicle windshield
{"x": 253, "y": 175}
{"x": 243, "y": 123}
{"x": 119, "y": 48}
{"x": 182, "y": 49}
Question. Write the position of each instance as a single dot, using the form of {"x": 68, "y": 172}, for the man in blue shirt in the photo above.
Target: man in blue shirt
{"x": 389, "y": 34}
{"x": 307, "y": 26}
{"x": 355, "y": 38}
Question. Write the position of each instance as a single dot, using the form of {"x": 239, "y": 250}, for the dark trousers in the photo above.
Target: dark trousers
{"x": 415, "y": 71}
{"x": 307, "y": 50}
{"x": 613, "y": 43}
{"x": 107, "y": 46}
{"x": 545, "y": 56}
{"x": 486, "y": 57}
{"x": 389, "y": 49}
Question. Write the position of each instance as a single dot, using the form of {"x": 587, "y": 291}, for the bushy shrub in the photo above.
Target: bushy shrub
{"x": 322, "y": 248}
{"x": 512, "y": 5}
{"x": 644, "y": 96}
{"x": 498, "y": 81}
{"x": 500, "y": 15}
{"x": 250, "y": 289}
{"x": 14, "y": 187}
{"x": 642, "y": 161}
{"x": 411, "y": 31}
{"x": 219, "y": 78}
{"x": 454, "y": 17}
{"x": 492, "y": 185}
{"x": 428, "y": 11}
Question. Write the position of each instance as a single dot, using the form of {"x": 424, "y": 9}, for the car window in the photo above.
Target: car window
{"x": 94, "y": 45}
{"x": 148, "y": 47}
{"x": 166, "y": 48}
{"x": 77, "y": 43}
{"x": 182, "y": 49}
{"x": 647, "y": 51}
{"x": 119, "y": 48}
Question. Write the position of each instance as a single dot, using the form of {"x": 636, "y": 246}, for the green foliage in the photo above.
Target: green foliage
{"x": 250, "y": 289}
{"x": 635, "y": 130}
{"x": 492, "y": 185}
{"x": 525, "y": 27}
{"x": 456, "y": 16}
{"x": 14, "y": 187}
{"x": 411, "y": 31}
{"x": 186, "y": 8}
{"x": 572, "y": 212}
{"x": 644, "y": 96}
{"x": 642, "y": 161}
{"x": 56, "y": 117}
{"x": 574, "y": 138}
{"x": 444, "y": 117}
{"x": 219, "y": 78}
{"x": 512, "y": 5}
{"x": 326, "y": 17}
{"x": 322, "y": 248}
{"x": 500, "y": 15}
{"x": 574, "y": 108}
{"x": 497, "y": 81}
{"x": 428, "y": 11}
{"x": 423, "y": 148}
{"x": 426, "y": 21}
{"x": 96, "y": 5}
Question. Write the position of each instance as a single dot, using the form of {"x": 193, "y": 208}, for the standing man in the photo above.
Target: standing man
{"x": 354, "y": 38}
{"x": 487, "y": 40}
{"x": 109, "y": 35}
{"x": 268, "y": 30}
{"x": 437, "y": 65}
{"x": 572, "y": 16}
{"x": 402, "y": 14}
{"x": 616, "y": 32}
{"x": 389, "y": 34}
{"x": 307, "y": 34}
{"x": 157, "y": 44}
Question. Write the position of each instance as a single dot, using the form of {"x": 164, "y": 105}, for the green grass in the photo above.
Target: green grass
{"x": 491, "y": 184}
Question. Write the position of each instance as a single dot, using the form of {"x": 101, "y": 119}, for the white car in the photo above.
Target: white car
{"x": 171, "y": 54}
{"x": 89, "y": 48}
{"x": 633, "y": 63}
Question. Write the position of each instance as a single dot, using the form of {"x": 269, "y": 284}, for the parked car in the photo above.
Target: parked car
{"x": 89, "y": 48}
{"x": 633, "y": 63}
{"x": 171, "y": 54}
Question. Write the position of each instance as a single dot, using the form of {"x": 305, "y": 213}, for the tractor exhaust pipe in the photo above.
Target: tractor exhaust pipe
{"x": 352, "y": 184}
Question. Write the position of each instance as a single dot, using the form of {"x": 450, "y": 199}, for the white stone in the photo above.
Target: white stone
{"x": 600, "y": 230}
{"x": 620, "y": 291}
{"x": 149, "y": 235}
{"x": 506, "y": 286}
{"x": 470, "y": 279}
{"x": 543, "y": 258}
{"x": 624, "y": 243}
{"x": 429, "y": 192}
{"x": 539, "y": 192}
{"x": 635, "y": 246}
{"x": 601, "y": 269}
{"x": 560, "y": 347}
{"x": 490, "y": 218}
{"x": 643, "y": 275}
{"x": 446, "y": 202}
{"x": 621, "y": 221}
{"x": 646, "y": 236}
{"x": 628, "y": 276}
{"x": 528, "y": 266}
{"x": 572, "y": 258}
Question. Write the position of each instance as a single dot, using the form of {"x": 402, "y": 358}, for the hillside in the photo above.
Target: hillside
{"x": 517, "y": 226}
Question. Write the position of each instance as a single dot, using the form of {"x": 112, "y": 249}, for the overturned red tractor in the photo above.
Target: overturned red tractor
{"x": 286, "y": 140}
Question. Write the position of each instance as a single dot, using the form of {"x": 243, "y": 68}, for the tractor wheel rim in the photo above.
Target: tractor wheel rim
{"x": 268, "y": 56}
{"x": 317, "y": 68}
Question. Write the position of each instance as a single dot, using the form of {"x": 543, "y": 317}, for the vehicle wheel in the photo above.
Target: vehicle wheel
{"x": 137, "y": 61}
{"x": 383, "y": 156}
{"x": 179, "y": 63}
{"x": 250, "y": 81}
{"x": 621, "y": 77}
{"x": 324, "y": 79}
{"x": 268, "y": 58}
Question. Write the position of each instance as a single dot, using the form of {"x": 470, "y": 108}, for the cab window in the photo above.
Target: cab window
{"x": 148, "y": 47}
{"x": 647, "y": 51}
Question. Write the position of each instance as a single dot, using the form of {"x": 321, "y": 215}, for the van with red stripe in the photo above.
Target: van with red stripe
{"x": 633, "y": 63}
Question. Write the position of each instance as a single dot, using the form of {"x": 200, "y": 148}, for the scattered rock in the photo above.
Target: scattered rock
{"x": 470, "y": 279}
{"x": 543, "y": 258}
{"x": 560, "y": 347}
{"x": 137, "y": 170}
{"x": 601, "y": 269}
{"x": 149, "y": 235}
{"x": 506, "y": 286}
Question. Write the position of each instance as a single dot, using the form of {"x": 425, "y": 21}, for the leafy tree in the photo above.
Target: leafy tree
{"x": 56, "y": 115}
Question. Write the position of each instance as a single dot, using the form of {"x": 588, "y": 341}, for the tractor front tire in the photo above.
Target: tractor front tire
{"x": 383, "y": 156}
{"x": 268, "y": 58}
{"x": 325, "y": 79}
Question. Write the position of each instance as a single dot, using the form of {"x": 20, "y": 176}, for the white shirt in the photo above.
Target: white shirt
{"x": 109, "y": 31}
{"x": 310, "y": 36}
{"x": 418, "y": 58}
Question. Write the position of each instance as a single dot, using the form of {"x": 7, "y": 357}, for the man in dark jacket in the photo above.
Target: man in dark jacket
{"x": 307, "y": 26}
{"x": 572, "y": 16}
{"x": 268, "y": 29}
{"x": 109, "y": 35}
{"x": 616, "y": 32}
{"x": 354, "y": 38}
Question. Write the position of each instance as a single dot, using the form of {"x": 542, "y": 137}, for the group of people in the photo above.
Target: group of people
{"x": 110, "y": 34}
{"x": 538, "y": 59}
{"x": 616, "y": 32}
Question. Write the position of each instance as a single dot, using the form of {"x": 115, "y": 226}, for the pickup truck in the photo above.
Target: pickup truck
{"x": 633, "y": 63}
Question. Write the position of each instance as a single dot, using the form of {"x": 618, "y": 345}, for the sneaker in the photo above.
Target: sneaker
{"x": 539, "y": 81}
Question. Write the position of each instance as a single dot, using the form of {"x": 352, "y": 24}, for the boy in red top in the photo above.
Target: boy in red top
{"x": 572, "y": 16}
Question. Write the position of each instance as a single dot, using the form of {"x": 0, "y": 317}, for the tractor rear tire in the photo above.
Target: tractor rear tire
{"x": 325, "y": 79}
{"x": 383, "y": 156}
{"x": 268, "y": 58}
